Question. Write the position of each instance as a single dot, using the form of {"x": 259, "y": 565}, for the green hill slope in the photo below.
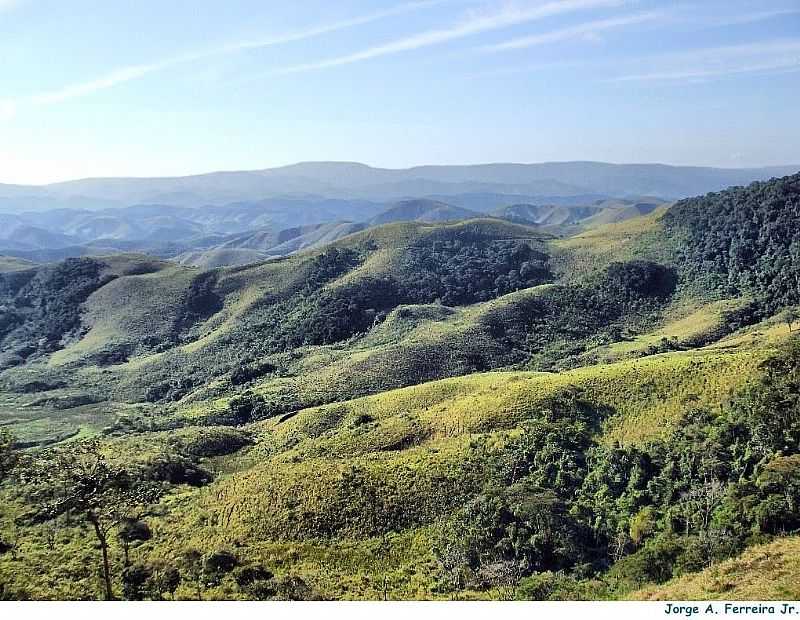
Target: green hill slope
{"x": 423, "y": 410}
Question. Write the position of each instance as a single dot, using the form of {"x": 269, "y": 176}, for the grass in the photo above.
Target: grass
{"x": 9, "y": 264}
{"x": 592, "y": 250}
{"x": 765, "y": 572}
{"x": 685, "y": 326}
{"x": 644, "y": 395}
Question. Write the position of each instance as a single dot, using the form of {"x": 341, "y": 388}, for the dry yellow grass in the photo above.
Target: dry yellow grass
{"x": 762, "y": 573}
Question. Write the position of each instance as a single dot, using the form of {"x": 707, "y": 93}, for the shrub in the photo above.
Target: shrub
{"x": 551, "y": 586}
{"x": 653, "y": 563}
{"x": 134, "y": 581}
{"x": 213, "y": 442}
{"x": 219, "y": 563}
{"x": 247, "y": 407}
{"x": 176, "y": 469}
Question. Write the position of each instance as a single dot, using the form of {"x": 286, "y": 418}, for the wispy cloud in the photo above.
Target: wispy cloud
{"x": 133, "y": 72}
{"x": 322, "y": 29}
{"x": 581, "y": 30}
{"x": 699, "y": 74}
{"x": 779, "y": 55}
{"x": 475, "y": 24}
{"x": 119, "y": 76}
{"x": 758, "y": 16}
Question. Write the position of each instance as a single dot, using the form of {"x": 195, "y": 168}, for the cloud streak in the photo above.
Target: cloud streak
{"x": 759, "y": 16}
{"x": 587, "y": 29}
{"x": 126, "y": 74}
{"x": 721, "y": 61}
{"x": 476, "y": 24}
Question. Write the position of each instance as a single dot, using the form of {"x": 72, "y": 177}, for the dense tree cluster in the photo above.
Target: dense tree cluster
{"x": 743, "y": 240}
{"x": 562, "y": 504}
{"x": 199, "y": 302}
{"x": 564, "y": 320}
{"x": 458, "y": 271}
{"x": 39, "y": 307}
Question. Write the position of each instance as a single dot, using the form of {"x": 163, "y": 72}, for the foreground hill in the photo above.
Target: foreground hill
{"x": 421, "y": 410}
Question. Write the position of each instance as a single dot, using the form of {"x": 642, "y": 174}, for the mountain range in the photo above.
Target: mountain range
{"x": 358, "y": 181}
{"x": 247, "y": 232}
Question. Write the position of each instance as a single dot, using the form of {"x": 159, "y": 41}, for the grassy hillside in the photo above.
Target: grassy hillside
{"x": 762, "y": 573}
{"x": 9, "y": 263}
{"x": 417, "y": 410}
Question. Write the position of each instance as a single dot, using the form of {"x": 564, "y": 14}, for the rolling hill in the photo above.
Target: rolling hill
{"x": 422, "y": 210}
{"x": 426, "y": 409}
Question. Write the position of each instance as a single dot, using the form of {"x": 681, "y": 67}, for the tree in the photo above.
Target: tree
{"x": 77, "y": 479}
{"x": 791, "y": 317}
{"x": 135, "y": 580}
{"x": 8, "y": 457}
{"x": 130, "y": 532}
{"x": 191, "y": 561}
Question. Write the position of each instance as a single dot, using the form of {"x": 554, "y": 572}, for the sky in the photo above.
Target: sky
{"x": 153, "y": 88}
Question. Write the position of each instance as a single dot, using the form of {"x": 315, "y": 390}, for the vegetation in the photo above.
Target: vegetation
{"x": 469, "y": 410}
{"x": 77, "y": 479}
{"x": 43, "y": 306}
{"x": 743, "y": 239}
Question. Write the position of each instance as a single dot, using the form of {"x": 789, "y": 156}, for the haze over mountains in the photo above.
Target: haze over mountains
{"x": 354, "y": 180}
{"x": 231, "y": 218}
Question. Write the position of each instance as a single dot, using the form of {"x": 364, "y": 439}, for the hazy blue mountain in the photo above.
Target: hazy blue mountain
{"x": 486, "y": 202}
{"x": 422, "y": 210}
{"x": 544, "y": 214}
{"x": 358, "y": 181}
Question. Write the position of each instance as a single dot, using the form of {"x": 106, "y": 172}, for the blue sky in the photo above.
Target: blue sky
{"x": 142, "y": 87}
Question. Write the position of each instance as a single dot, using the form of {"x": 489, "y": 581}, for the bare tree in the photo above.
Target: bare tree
{"x": 505, "y": 575}
{"x": 77, "y": 479}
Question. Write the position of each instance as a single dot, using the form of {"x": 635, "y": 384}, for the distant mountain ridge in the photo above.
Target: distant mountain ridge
{"x": 359, "y": 181}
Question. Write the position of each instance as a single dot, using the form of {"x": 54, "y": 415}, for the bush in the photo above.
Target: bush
{"x": 551, "y": 586}
{"x": 219, "y": 562}
{"x": 245, "y": 374}
{"x": 653, "y": 563}
{"x": 213, "y": 442}
{"x": 176, "y": 469}
{"x": 134, "y": 581}
{"x": 247, "y": 407}
{"x": 249, "y": 575}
